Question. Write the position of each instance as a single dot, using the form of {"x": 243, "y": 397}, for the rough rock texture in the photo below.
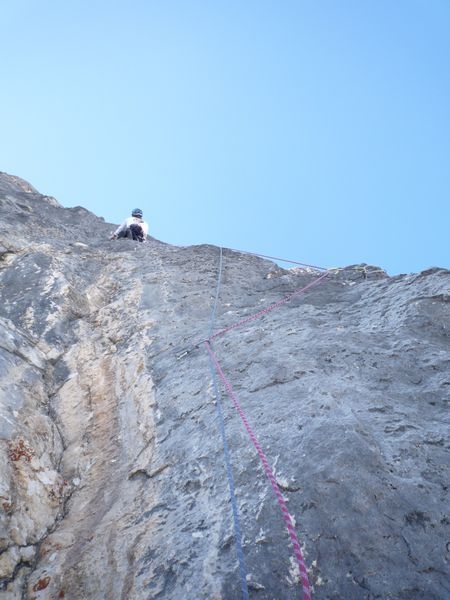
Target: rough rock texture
{"x": 112, "y": 481}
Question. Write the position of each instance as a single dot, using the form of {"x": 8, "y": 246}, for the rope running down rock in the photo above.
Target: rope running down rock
{"x": 268, "y": 470}
{"x": 226, "y": 449}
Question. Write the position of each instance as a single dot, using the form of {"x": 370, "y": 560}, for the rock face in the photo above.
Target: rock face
{"x": 113, "y": 482}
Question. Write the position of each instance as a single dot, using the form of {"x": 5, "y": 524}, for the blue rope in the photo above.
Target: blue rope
{"x": 216, "y": 299}
{"x": 226, "y": 450}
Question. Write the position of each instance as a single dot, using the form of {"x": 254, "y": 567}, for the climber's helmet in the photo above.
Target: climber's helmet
{"x": 137, "y": 212}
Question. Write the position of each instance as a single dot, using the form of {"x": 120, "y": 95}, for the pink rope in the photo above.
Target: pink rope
{"x": 268, "y": 309}
{"x": 270, "y": 475}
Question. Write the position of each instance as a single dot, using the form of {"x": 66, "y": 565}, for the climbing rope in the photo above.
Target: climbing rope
{"x": 226, "y": 450}
{"x": 216, "y": 297}
{"x": 185, "y": 351}
{"x": 214, "y": 362}
{"x": 363, "y": 269}
{"x": 270, "y": 475}
{"x": 215, "y": 367}
{"x": 269, "y": 308}
{"x": 360, "y": 268}
{"x": 286, "y": 260}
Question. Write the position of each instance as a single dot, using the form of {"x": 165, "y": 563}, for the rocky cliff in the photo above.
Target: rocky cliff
{"x": 114, "y": 481}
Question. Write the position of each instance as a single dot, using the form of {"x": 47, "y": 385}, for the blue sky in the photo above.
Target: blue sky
{"x": 314, "y": 130}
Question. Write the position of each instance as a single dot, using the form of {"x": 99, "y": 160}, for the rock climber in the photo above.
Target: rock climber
{"x": 134, "y": 227}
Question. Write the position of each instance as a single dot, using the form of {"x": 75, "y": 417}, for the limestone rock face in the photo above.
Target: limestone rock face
{"x": 113, "y": 482}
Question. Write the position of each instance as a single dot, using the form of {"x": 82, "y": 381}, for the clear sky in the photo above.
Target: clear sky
{"x": 313, "y": 130}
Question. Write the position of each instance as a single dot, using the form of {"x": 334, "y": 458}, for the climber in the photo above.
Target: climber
{"x": 134, "y": 228}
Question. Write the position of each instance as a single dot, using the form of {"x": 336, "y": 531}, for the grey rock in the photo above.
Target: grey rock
{"x": 113, "y": 482}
